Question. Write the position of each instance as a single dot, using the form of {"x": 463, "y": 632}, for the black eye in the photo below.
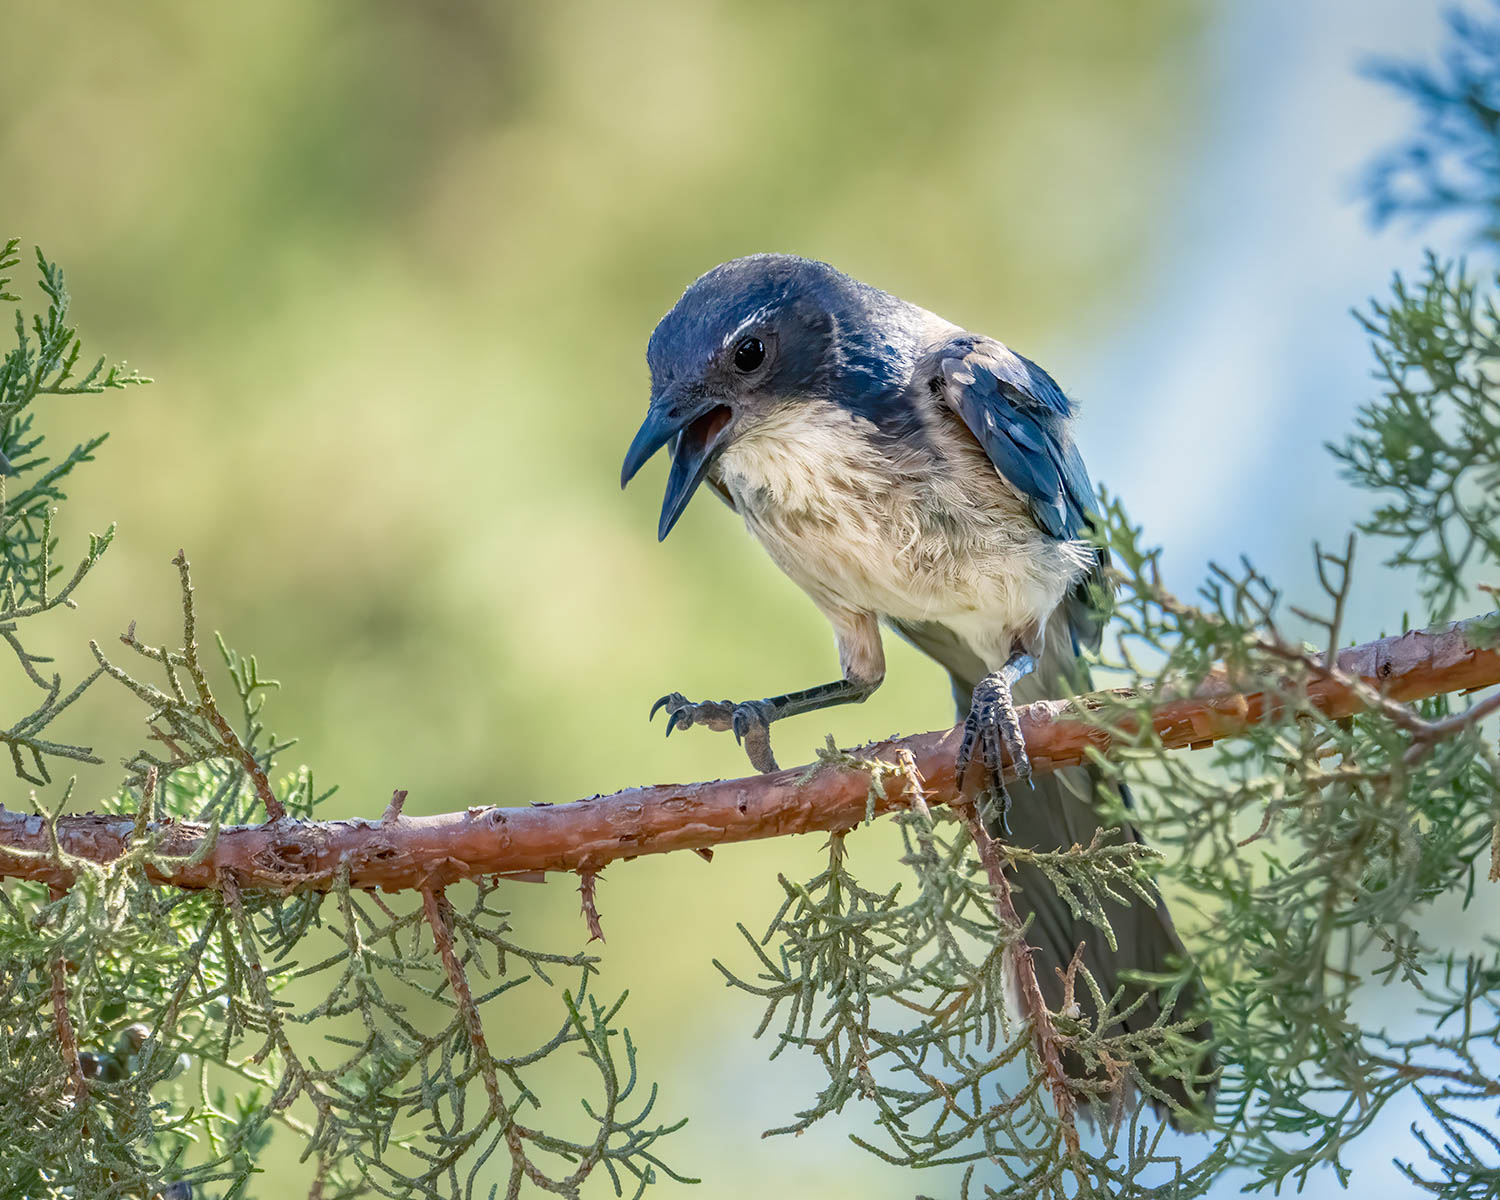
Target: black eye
{"x": 749, "y": 354}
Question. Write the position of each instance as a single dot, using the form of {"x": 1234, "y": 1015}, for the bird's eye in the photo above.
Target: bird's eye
{"x": 749, "y": 354}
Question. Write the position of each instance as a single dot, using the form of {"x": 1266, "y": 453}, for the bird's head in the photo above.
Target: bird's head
{"x": 748, "y": 337}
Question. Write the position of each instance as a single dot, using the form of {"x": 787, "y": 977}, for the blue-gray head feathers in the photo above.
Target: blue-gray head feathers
{"x": 760, "y": 331}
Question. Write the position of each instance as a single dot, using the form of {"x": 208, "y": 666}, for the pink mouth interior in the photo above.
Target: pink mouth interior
{"x": 698, "y": 438}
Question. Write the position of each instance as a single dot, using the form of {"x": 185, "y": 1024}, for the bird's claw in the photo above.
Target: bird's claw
{"x": 683, "y": 713}
{"x": 993, "y": 728}
{"x": 750, "y": 717}
{"x": 750, "y": 720}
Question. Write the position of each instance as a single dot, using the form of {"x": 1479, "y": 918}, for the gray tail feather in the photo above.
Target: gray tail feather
{"x": 1055, "y": 813}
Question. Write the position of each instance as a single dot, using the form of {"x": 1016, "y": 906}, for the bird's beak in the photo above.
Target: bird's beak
{"x": 697, "y": 423}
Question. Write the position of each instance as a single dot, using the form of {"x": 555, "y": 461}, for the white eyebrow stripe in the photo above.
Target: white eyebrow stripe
{"x": 755, "y": 318}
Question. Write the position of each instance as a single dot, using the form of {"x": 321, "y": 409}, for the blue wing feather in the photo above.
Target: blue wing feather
{"x": 1023, "y": 420}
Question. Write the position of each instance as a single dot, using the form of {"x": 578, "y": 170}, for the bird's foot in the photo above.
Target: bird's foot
{"x": 749, "y": 719}
{"x": 992, "y": 727}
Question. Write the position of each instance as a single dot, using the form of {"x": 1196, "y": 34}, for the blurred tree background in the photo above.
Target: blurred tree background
{"x": 393, "y": 266}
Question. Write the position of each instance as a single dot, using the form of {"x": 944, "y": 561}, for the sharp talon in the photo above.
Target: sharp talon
{"x": 658, "y": 706}
{"x": 749, "y": 720}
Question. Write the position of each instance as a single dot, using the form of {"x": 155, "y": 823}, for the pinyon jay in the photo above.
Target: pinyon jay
{"x": 904, "y": 471}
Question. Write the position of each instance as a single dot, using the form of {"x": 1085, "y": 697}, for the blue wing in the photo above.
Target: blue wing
{"x": 1021, "y": 418}
{"x": 1023, "y": 421}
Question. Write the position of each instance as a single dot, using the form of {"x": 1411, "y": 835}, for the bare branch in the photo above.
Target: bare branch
{"x": 430, "y": 852}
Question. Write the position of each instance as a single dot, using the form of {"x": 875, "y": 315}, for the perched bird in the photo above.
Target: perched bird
{"x": 903, "y": 471}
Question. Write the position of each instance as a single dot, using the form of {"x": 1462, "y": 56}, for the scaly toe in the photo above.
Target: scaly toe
{"x": 752, "y": 729}
{"x": 749, "y": 716}
{"x": 683, "y": 713}
{"x": 990, "y": 741}
{"x": 1009, "y": 729}
{"x": 751, "y": 722}
{"x": 965, "y": 749}
{"x": 993, "y": 734}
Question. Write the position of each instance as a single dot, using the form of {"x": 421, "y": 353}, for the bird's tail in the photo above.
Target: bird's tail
{"x": 1055, "y": 813}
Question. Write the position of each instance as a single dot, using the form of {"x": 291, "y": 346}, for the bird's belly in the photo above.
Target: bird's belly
{"x": 914, "y": 543}
{"x": 987, "y": 584}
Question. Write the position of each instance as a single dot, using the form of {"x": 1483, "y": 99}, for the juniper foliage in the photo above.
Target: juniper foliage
{"x": 150, "y": 1045}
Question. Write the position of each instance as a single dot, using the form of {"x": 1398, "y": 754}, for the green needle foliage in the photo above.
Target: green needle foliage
{"x": 42, "y": 364}
{"x": 902, "y": 999}
{"x": 1431, "y": 445}
{"x": 150, "y": 1045}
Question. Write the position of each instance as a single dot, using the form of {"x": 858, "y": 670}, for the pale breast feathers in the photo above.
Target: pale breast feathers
{"x": 926, "y": 531}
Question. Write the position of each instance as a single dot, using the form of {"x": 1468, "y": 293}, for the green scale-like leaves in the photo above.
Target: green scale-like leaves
{"x": 159, "y": 1043}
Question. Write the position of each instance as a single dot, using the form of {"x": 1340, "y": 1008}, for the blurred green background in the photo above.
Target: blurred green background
{"x": 393, "y": 268}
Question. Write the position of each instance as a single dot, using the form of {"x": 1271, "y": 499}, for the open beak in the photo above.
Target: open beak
{"x": 695, "y": 427}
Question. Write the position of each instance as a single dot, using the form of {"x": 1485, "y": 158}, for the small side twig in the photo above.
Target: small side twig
{"x": 67, "y": 1036}
{"x": 1069, "y": 979}
{"x": 1481, "y": 1084}
{"x": 586, "y": 883}
{"x": 1433, "y": 732}
{"x": 230, "y": 740}
{"x": 915, "y": 791}
{"x": 393, "y": 809}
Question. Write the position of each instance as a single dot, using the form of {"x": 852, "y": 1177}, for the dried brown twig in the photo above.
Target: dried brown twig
{"x": 67, "y": 1037}
{"x": 435, "y": 909}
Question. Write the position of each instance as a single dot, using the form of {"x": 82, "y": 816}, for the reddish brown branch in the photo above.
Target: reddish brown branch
{"x": 435, "y": 907}
{"x": 67, "y": 1037}
{"x": 417, "y": 852}
{"x": 1021, "y": 968}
